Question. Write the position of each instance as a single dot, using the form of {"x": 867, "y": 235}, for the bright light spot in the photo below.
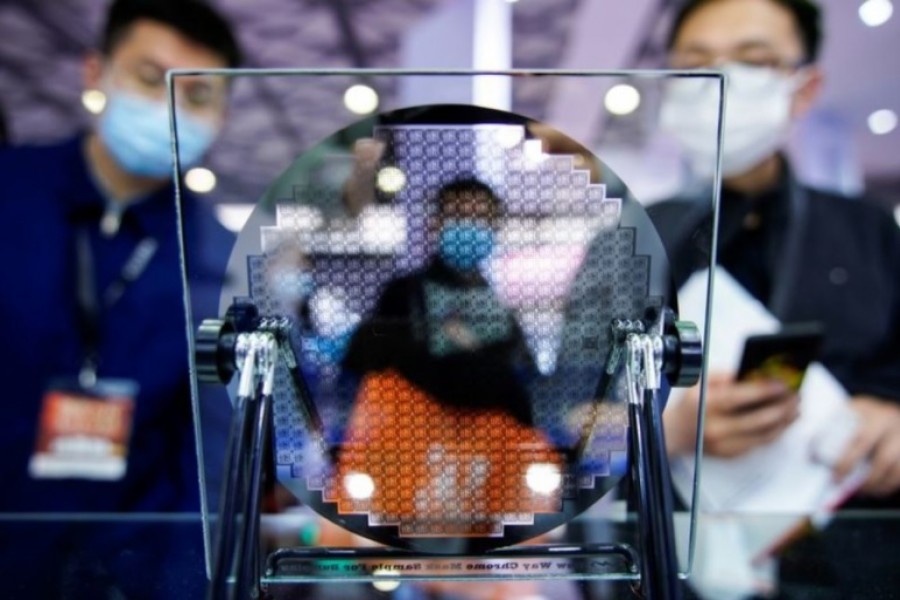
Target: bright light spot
{"x": 359, "y": 485}
{"x": 385, "y": 585}
{"x": 882, "y": 121}
{"x": 533, "y": 153}
{"x": 390, "y": 180}
{"x": 543, "y": 478}
{"x": 897, "y": 215}
{"x": 382, "y": 229}
{"x": 200, "y": 180}
{"x": 876, "y": 12}
{"x": 622, "y": 99}
{"x": 512, "y": 1}
{"x": 330, "y": 314}
{"x": 301, "y": 216}
{"x": 233, "y": 216}
{"x": 94, "y": 101}
{"x": 509, "y": 137}
{"x": 360, "y": 99}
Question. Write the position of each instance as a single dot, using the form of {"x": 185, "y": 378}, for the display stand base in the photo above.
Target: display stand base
{"x": 239, "y": 572}
{"x": 553, "y": 561}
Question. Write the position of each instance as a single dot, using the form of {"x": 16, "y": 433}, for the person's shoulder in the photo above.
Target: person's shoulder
{"x": 678, "y": 209}
{"x": 860, "y": 221}
{"x": 395, "y": 296}
{"x": 24, "y": 160}
{"x": 862, "y": 210}
{"x": 674, "y": 206}
{"x": 402, "y": 284}
{"x": 676, "y": 219}
{"x": 37, "y": 172}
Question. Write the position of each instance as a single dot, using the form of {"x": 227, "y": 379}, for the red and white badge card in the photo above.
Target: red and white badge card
{"x": 83, "y": 433}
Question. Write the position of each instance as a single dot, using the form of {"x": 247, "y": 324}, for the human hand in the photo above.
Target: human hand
{"x": 877, "y": 439}
{"x": 740, "y": 416}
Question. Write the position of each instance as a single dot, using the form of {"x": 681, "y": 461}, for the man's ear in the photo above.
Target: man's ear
{"x": 808, "y": 92}
{"x": 91, "y": 71}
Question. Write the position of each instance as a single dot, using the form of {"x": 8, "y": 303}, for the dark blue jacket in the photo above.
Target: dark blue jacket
{"x": 47, "y": 194}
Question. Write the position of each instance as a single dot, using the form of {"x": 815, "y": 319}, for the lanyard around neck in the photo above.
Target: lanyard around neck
{"x": 90, "y": 305}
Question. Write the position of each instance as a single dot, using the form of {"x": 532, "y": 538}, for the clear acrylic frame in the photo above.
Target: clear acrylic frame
{"x": 355, "y": 208}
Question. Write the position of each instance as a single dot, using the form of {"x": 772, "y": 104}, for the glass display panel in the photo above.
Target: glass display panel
{"x": 446, "y": 279}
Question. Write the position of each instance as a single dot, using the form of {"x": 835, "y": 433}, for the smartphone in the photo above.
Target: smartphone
{"x": 783, "y": 356}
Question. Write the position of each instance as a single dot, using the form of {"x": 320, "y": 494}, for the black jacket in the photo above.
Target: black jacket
{"x": 825, "y": 258}
{"x": 407, "y": 332}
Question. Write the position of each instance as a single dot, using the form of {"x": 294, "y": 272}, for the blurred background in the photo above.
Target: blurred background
{"x": 850, "y": 142}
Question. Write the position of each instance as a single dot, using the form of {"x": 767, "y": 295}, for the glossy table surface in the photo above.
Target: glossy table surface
{"x": 161, "y": 556}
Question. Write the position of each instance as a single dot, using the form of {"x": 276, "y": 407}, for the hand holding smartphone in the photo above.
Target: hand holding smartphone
{"x": 783, "y": 356}
{"x": 762, "y": 402}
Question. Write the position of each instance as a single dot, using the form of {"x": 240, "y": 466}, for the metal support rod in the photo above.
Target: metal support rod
{"x": 238, "y": 549}
{"x": 235, "y": 470}
{"x": 661, "y": 494}
{"x": 248, "y": 562}
{"x": 228, "y": 516}
{"x": 650, "y": 475}
{"x": 247, "y": 556}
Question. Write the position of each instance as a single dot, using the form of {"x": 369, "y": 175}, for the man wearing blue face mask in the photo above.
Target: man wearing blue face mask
{"x": 443, "y": 328}
{"x": 807, "y": 255}
{"x": 97, "y": 412}
{"x": 440, "y": 351}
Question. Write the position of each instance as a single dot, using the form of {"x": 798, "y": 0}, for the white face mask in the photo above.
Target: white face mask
{"x": 757, "y": 117}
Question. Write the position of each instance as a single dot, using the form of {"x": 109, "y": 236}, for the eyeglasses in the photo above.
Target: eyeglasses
{"x": 742, "y": 77}
{"x": 196, "y": 94}
{"x": 750, "y": 55}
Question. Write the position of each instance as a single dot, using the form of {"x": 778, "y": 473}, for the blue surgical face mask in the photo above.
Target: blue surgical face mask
{"x": 464, "y": 244}
{"x": 135, "y": 130}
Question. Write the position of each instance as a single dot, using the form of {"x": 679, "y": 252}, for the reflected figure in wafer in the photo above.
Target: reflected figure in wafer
{"x": 441, "y": 439}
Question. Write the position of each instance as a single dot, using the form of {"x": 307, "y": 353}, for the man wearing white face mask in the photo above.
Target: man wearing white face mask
{"x": 807, "y": 255}
{"x": 759, "y": 111}
{"x": 92, "y": 301}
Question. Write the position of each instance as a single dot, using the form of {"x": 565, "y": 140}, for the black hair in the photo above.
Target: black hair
{"x": 807, "y": 17}
{"x": 194, "y": 19}
{"x": 468, "y": 186}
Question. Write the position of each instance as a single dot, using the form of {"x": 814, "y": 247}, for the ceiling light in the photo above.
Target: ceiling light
{"x": 390, "y": 180}
{"x": 510, "y": 136}
{"x": 533, "y": 153}
{"x": 361, "y": 99}
{"x": 385, "y": 585}
{"x": 882, "y": 121}
{"x": 359, "y": 485}
{"x": 876, "y": 12}
{"x": 382, "y": 228}
{"x": 543, "y": 478}
{"x": 233, "y": 217}
{"x": 200, "y": 180}
{"x": 622, "y": 99}
{"x": 94, "y": 101}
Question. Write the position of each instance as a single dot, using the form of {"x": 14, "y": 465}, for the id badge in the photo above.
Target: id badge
{"x": 83, "y": 432}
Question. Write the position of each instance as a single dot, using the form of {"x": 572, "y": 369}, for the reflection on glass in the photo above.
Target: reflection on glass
{"x": 451, "y": 274}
